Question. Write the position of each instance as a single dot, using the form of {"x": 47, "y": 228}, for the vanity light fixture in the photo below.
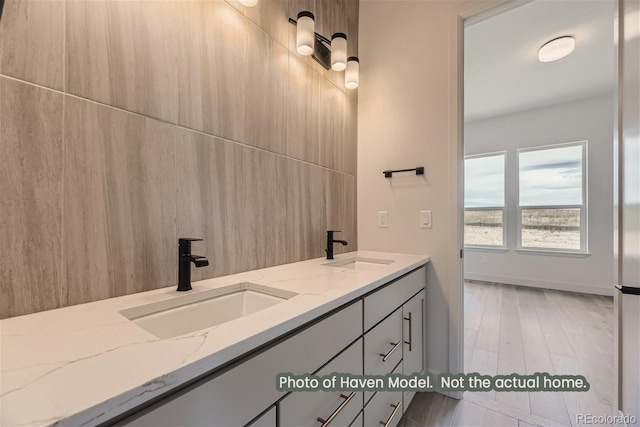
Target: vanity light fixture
{"x": 339, "y": 51}
{"x": 305, "y": 40}
{"x": 308, "y": 42}
{"x": 556, "y": 49}
{"x": 351, "y": 74}
{"x": 248, "y": 3}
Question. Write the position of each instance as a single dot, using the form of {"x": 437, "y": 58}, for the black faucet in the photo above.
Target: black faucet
{"x": 185, "y": 258}
{"x": 331, "y": 241}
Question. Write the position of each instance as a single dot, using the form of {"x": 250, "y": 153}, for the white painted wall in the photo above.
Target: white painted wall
{"x": 590, "y": 120}
{"x": 404, "y": 122}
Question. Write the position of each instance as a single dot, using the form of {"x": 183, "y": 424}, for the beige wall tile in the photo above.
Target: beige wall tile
{"x": 235, "y": 198}
{"x": 120, "y": 202}
{"x": 31, "y": 41}
{"x": 350, "y": 138}
{"x": 266, "y": 91}
{"x": 306, "y": 211}
{"x": 352, "y": 40}
{"x": 128, "y": 185}
{"x": 263, "y": 211}
{"x": 207, "y": 200}
{"x": 31, "y": 203}
{"x": 303, "y": 112}
{"x": 124, "y": 54}
{"x": 332, "y": 106}
{"x": 351, "y": 9}
{"x": 270, "y": 15}
{"x": 211, "y": 68}
{"x": 341, "y": 208}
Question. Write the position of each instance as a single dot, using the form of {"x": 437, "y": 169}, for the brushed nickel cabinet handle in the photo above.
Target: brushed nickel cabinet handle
{"x": 335, "y": 413}
{"x": 395, "y": 346}
{"x": 410, "y": 342}
{"x": 393, "y": 414}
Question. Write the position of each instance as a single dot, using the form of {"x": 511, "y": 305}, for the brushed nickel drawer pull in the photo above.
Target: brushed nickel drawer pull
{"x": 335, "y": 413}
{"x": 395, "y": 346}
{"x": 410, "y": 342}
{"x": 393, "y": 414}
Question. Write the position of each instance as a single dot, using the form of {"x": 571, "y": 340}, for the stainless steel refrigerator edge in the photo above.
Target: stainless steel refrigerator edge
{"x": 627, "y": 204}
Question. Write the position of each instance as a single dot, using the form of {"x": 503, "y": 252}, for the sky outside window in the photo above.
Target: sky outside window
{"x": 551, "y": 177}
{"x": 484, "y": 181}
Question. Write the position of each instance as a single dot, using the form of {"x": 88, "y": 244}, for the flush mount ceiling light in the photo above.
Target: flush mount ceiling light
{"x": 308, "y": 42}
{"x": 556, "y": 49}
{"x": 248, "y": 3}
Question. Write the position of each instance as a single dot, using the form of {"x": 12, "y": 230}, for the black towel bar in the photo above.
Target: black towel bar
{"x": 419, "y": 171}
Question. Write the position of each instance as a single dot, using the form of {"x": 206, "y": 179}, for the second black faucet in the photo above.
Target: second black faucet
{"x": 331, "y": 241}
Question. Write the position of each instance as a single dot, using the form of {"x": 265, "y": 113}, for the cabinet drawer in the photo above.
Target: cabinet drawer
{"x": 379, "y": 304}
{"x": 383, "y": 345}
{"x": 304, "y": 408}
{"x": 383, "y": 340}
{"x": 384, "y": 408}
{"x": 214, "y": 402}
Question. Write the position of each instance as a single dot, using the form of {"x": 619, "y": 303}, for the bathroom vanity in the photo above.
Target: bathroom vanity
{"x": 137, "y": 360}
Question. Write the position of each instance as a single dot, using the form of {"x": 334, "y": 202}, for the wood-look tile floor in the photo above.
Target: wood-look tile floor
{"x": 526, "y": 330}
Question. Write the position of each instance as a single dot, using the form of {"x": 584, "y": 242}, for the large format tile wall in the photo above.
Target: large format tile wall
{"x": 127, "y": 124}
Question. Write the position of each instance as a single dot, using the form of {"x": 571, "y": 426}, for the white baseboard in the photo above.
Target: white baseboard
{"x": 546, "y": 284}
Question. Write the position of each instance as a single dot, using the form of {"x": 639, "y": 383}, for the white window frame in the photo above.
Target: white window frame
{"x": 584, "y": 241}
{"x": 502, "y": 247}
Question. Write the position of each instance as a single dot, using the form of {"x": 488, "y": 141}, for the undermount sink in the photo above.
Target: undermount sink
{"x": 200, "y": 310}
{"x": 360, "y": 263}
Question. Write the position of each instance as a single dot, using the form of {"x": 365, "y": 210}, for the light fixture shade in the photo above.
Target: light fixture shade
{"x": 248, "y": 3}
{"x": 339, "y": 51}
{"x": 351, "y": 75}
{"x": 305, "y": 36}
{"x": 556, "y": 49}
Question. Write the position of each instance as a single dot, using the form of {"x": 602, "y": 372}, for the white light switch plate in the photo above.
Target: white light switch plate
{"x": 425, "y": 219}
{"x": 382, "y": 219}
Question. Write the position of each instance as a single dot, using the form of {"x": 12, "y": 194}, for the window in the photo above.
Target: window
{"x": 552, "y": 198}
{"x": 484, "y": 200}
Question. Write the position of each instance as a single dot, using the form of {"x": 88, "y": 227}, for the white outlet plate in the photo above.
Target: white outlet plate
{"x": 425, "y": 219}
{"x": 485, "y": 259}
{"x": 383, "y": 219}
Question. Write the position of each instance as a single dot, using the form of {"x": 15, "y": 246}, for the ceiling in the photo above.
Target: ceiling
{"x": 502, "y": 71}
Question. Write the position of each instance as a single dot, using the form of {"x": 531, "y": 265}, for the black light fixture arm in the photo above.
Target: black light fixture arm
{"x": 389, "y": 173}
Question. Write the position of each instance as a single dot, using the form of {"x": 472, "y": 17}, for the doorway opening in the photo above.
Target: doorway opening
{"x": 538, "y": 206}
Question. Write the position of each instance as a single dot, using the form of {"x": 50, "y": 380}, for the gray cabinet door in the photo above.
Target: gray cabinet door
{"x": 413, "y": 349}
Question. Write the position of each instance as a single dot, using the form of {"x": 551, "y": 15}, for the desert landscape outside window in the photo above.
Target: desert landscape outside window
{"x": 484, "y": 200}
{"x": 552, "y": 198}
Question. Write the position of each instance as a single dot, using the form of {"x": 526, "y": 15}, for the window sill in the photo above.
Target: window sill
{"x": 551, "y": 252}
{"x": 486, "y": 249}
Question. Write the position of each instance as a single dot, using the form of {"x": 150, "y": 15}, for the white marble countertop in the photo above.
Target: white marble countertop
{"x": 85, "y": 364}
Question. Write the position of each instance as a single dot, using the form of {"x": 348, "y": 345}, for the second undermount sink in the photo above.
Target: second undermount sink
{"x": 200, "y": 310}
{"x": 360, "y": 263}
